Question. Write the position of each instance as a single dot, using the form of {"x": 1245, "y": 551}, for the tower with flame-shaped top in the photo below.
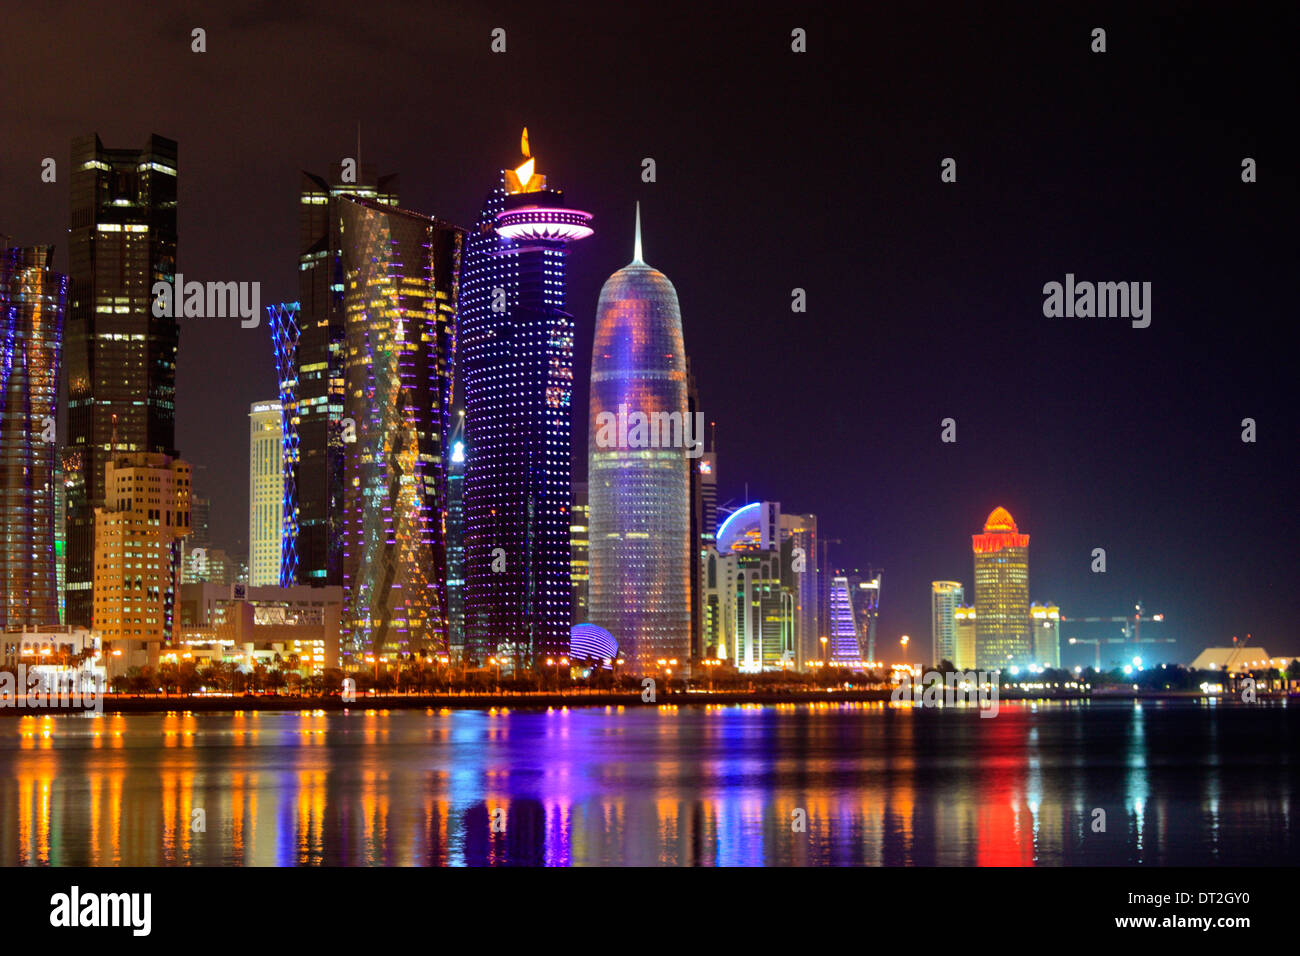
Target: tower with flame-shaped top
{"x": 639, "y": 491}
{"x": 516, "y": 367}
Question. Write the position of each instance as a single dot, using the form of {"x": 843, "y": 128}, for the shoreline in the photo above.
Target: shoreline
{"x": 128, "y": 704}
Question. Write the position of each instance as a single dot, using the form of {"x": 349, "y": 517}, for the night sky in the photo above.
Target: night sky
{"x": 775, "y": 171}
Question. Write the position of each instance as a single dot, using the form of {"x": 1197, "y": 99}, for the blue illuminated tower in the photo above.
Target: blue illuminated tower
{"x": 516, "y": 353}
{"x": 639, "y": 492}
{"x": 284, "y": 341}
{"x": 844, "y": 630}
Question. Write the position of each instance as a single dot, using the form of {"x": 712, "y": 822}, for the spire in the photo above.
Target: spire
{"x": 636, "y": 242}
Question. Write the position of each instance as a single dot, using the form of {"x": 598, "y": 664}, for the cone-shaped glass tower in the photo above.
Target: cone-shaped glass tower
{"x": 637, "y": 468}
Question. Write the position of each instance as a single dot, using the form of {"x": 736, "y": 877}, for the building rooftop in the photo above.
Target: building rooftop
{"x": 1236, "y": 658}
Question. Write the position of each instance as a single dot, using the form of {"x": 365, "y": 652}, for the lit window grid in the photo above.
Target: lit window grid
{"x": 518, "y": 376}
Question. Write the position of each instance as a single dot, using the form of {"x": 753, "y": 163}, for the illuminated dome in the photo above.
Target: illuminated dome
{"x": 1000, "y": 520}
{"x": 587, "y": 642}
{"x": 742, "y": 530}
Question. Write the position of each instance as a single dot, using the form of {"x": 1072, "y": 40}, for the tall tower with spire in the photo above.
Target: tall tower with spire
{"x": 639, "y": 485}
{"x": 516, "y": 365}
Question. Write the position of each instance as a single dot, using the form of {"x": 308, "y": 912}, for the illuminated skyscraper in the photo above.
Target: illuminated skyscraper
{"x": 964, "y": 629}
{"x": 311, "y": 343}
{"x": 1045, "y": 622}
{"x": 945, "y": 598}
{"x": 1001, "y": 594}
{"x": 703, "y": 514}
{"x": 265, "y": 493}
{"x": 61, "y": 537}
{"x": 199, "y": 560}
{"x": 400, "y": 273}
{"x": 865, "y": 592}
{"x": 120, "y": 357}
{"x": 284, "y": 343}
{"x": 640, "y": 588}
{"x": 757, "y": 604}
{"x": 800, "y": 575}
{"x": 843, "y": 625}
{"x": 516, "y": 347}
{"x": 580, "y": 548}
{"x": 456, "y": 538}
{"x": 32, "y": 300}
{"x": 139, "y": 528}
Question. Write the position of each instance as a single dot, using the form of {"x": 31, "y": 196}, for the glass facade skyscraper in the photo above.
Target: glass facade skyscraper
{"x": 32, "y": 302}
{"x": 580, "y": 549}
{"x": 120, "y": 357}
{"x": 316, "y": 338}
{"x": 1002, "y": 633}
{"x": 945, "y": 598}
{"x": 456, "y": 538}
{"x": 516, "y": 355}
{"x": 1045, "y": 624}
{"x": 265, "y": 493}
{"x": 400, "y": 275}
{"x": 864, "y": 591}
{"x": 640, "y": 544}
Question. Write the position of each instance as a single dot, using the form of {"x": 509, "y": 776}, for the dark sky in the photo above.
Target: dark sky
{"x": 778, "y": 170}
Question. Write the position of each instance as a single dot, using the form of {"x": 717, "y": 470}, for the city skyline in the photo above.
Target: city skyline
{"x": 1091, "y": 465}
{"x": 648, "y": 435}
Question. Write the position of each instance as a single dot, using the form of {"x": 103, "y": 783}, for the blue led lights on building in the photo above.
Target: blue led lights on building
{"x": 516, "y": 353}
{"x": 284, "y": 342}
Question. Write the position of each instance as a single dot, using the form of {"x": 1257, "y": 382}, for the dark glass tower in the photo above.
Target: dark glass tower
{"x": 32, "y": 300}
{"x": 400, "y": 275}
{"x": 120, "y": 358}
{"x": 315, "y": 334}
{"x": 517, "y": 350}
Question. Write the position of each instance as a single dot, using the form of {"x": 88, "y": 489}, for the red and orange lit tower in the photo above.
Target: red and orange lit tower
{"x": 1002, "y": 637}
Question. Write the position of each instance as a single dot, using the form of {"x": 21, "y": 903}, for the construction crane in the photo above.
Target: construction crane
{"x": 1096, "y": 642}
{"x": 1132, "y": 629}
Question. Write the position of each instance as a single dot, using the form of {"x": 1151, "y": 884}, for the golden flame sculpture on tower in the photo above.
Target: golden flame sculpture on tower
{"x": 524, "y": 179}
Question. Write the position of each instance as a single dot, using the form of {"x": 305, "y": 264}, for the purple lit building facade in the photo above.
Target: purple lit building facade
{"x": 640, "y": 588}
{"x": 516, "y": 354}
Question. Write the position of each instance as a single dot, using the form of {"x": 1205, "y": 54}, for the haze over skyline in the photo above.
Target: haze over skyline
{"x": 819, "y": 171}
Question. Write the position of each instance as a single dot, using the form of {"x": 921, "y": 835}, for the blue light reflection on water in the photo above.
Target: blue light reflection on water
{"x": 1181, "y": 783}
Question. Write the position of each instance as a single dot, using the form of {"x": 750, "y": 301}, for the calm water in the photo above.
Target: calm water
{"x": 1181, "y": 783}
